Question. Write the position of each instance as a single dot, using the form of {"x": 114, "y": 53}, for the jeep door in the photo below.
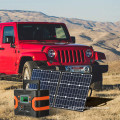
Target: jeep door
{"x": 7, "y": 54}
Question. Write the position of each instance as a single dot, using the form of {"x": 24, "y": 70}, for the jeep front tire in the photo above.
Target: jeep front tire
{"x": 27, "y": 70}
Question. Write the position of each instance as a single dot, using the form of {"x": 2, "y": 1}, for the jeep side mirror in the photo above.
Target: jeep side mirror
{"x": 10, "y": 39}
{"x": 73, "y": 39}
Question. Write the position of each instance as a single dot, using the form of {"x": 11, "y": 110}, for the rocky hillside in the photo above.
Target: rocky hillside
{"x": 103, "y": 36}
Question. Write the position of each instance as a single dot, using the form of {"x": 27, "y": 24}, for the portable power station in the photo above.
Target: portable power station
{"x": 31, "y": 102}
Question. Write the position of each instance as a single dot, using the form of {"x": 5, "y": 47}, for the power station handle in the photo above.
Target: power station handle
{"x": 39, "y": 99}
{"x": 25, "y": 82}
{"x": 16, "y": 102}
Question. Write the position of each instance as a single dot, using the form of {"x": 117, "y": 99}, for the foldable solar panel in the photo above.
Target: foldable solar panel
{"x": 73, "y": 91}
{"x": 67, "y": 90}
{"x": 48, "y": 81}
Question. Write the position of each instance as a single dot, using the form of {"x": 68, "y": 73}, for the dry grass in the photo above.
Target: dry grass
{"x": 103, "y": 105}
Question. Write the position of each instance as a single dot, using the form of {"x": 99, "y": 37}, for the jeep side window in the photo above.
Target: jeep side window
{"x": 8, "y": 31}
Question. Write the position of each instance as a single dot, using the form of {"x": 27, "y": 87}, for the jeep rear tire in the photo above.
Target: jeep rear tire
{"x": 27, "y": 70}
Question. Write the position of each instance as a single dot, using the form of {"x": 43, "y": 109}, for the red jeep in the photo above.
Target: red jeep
{"x": 28, "y": 45}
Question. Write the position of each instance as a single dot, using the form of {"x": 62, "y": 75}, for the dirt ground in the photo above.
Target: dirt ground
{"x": 102, "y": 105}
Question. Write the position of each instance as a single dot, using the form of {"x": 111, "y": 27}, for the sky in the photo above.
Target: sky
{"x": 95, "y": 10}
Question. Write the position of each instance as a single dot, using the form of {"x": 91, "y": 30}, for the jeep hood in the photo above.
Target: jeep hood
{"x": 40, "y": 46}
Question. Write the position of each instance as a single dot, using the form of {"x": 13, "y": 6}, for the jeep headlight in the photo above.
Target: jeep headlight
{"x": 88, "y": 53}
{"x": 51, "y": 53}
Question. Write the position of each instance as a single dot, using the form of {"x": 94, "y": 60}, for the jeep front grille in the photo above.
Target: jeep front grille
{"x": 71, "y": 56}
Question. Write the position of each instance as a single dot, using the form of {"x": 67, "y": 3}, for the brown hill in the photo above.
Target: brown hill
{"x": 103, "y": 36}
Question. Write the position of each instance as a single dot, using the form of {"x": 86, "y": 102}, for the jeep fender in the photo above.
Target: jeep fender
{"x": 29, "y": 56}
{"x": 36, "y": 56}
{"x": 99, "y": 56}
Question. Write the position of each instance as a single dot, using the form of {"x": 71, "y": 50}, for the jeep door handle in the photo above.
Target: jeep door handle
{"x": 2, "y": 48}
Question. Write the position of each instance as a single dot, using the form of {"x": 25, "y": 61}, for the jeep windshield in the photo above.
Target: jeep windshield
{"x": 42, "y": 32}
